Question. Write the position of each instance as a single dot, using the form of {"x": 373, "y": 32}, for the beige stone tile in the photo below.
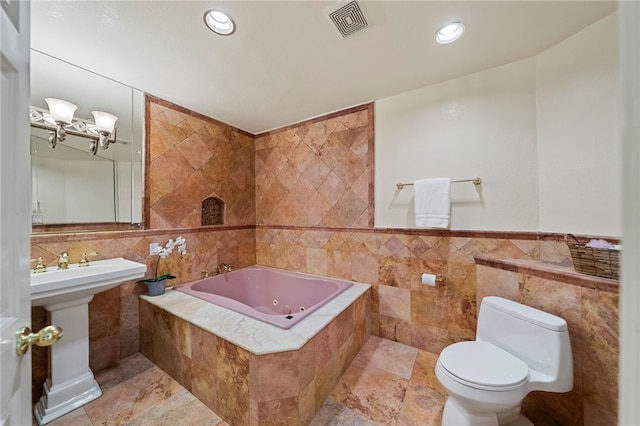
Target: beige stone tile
{"x": 496, "y": 282}
{"x": 600, "y": 313}
{"x": 276, "y": 376}
{"x": 279, "y": 412}
{"x": 180, "y": 409}
{"x": 77, "y": 417}
{"x": 124, "y": 370}
{"x": 422, "y": 405}
{"x": 424, "y": 371}
{"x": 394, "y": 357}
{"x": 132, "y": 398}
{"x": 333, "y": 413}
{"x": 429, "y": 307}
{"x": 395, "y": 302}
{"x": 598, "y": 416}
{"x": 232, "y": 369}
{"x": 555, "y": 298}
{"x": 374, "y": 393}
{"x": 600, "y": 377}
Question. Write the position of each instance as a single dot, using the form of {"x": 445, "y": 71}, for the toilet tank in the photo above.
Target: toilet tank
{"x": 538, "y": 338}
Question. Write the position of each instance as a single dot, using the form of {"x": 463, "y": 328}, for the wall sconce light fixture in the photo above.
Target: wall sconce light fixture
{"x": 62, "y": 115}
{"x": 59, "y": 121}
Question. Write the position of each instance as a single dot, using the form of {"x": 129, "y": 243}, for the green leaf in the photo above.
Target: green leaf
{"x": 153, "y": 280}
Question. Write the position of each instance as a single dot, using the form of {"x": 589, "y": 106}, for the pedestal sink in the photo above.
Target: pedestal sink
{"x": 65, "y": 294}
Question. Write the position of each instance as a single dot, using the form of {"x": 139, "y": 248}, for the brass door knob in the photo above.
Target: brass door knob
{"x": 45, "y": 337}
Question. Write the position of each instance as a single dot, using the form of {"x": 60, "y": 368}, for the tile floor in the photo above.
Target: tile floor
{"x": 388, "y": 383}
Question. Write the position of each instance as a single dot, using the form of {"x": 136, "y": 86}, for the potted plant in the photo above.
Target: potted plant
{"x": 157, "y": 284}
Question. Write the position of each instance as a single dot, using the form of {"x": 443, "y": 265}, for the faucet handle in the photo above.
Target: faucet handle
{"x": 84, "y": 261}
{"x": 40, "y": 266}
{"x": 63, "y": 260}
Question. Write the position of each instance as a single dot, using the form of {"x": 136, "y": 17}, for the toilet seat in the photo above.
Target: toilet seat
{"x": 482, "y": 365}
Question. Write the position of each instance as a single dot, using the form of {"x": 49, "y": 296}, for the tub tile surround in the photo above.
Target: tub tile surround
{"x": 252, "y": 373}
{"x": 590, "y": 307}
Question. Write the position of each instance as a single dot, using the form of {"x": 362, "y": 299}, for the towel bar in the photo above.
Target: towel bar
{"x": 476, "y": 181}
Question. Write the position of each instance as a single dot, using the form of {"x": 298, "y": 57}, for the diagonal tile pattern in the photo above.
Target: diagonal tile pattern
{"x": 317, "y": 172}
{"x": 191, "y": 158}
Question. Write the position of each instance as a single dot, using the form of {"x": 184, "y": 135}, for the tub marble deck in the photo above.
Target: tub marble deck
{"x": 252, "y": 335}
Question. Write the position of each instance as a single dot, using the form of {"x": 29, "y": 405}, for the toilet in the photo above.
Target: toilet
{"x": 518, "y": 349}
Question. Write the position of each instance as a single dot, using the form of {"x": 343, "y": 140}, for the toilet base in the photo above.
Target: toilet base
{"x": 453, "y": 415}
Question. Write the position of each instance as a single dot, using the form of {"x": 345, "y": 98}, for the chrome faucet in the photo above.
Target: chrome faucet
{"x": 63, "y": 260}
{"x": 224, "y": 268}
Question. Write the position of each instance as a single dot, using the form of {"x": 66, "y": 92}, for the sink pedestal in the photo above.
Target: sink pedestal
{"x": 71, "y": 383}
{"x": 66, "y": 294}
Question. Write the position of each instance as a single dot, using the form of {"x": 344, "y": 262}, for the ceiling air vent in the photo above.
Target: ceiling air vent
{"x": 346, "y": 16}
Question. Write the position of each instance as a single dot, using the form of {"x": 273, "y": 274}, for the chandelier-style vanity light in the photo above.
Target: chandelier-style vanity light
{"x": 59, "y": 121}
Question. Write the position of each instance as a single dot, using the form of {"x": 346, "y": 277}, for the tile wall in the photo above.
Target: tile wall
{"x": 191, "y": 158}
{"x": 308, "y": 207}
{"x": 317, "y": 173}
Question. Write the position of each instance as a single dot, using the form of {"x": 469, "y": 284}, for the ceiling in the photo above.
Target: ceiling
{"x": 285, "y": 62}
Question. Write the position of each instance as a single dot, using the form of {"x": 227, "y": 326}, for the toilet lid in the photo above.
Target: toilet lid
{"x": 483, "y": 364}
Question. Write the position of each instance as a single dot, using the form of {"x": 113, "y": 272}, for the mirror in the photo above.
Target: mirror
{"x": 71, "y": 188}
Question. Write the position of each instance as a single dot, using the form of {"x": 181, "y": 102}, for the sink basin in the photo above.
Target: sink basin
{"x": 66, "y": 285}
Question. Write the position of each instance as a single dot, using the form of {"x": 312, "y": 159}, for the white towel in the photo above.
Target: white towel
{"x": 433, "y": 202}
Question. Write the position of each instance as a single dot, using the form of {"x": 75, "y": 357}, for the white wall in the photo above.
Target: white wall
{"x": 479, "y": 125}
{"x": 517, "y": 126}
{"x": 579, "y": 149}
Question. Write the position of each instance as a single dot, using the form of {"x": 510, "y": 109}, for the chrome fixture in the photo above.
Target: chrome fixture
{"x": 476, "y": 181}
{"x": 60, "y": 122}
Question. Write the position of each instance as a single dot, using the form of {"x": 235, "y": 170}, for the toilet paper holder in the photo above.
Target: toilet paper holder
{"x": 438, "y": 278}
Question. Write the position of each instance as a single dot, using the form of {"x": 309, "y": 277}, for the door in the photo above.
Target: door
{"x": 15, "y": 227}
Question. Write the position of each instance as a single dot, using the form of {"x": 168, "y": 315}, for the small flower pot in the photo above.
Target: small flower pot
{"x": 156, "y": 288}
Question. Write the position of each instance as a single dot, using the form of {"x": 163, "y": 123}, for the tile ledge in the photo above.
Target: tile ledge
{"x": 550, "y": 271}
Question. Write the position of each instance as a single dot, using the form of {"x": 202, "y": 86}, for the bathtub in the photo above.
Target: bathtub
{"x": 274, "y": 296}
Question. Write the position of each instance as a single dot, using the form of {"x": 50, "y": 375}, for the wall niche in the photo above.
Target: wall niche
{"x": 212, "y": 211}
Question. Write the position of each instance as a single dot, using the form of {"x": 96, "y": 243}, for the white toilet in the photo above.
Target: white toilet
{"x": 518, "y": 349}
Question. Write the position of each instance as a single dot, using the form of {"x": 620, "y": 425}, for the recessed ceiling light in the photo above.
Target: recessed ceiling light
{"x": 219, "y": 22}
{"x": 449, "y": 33}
